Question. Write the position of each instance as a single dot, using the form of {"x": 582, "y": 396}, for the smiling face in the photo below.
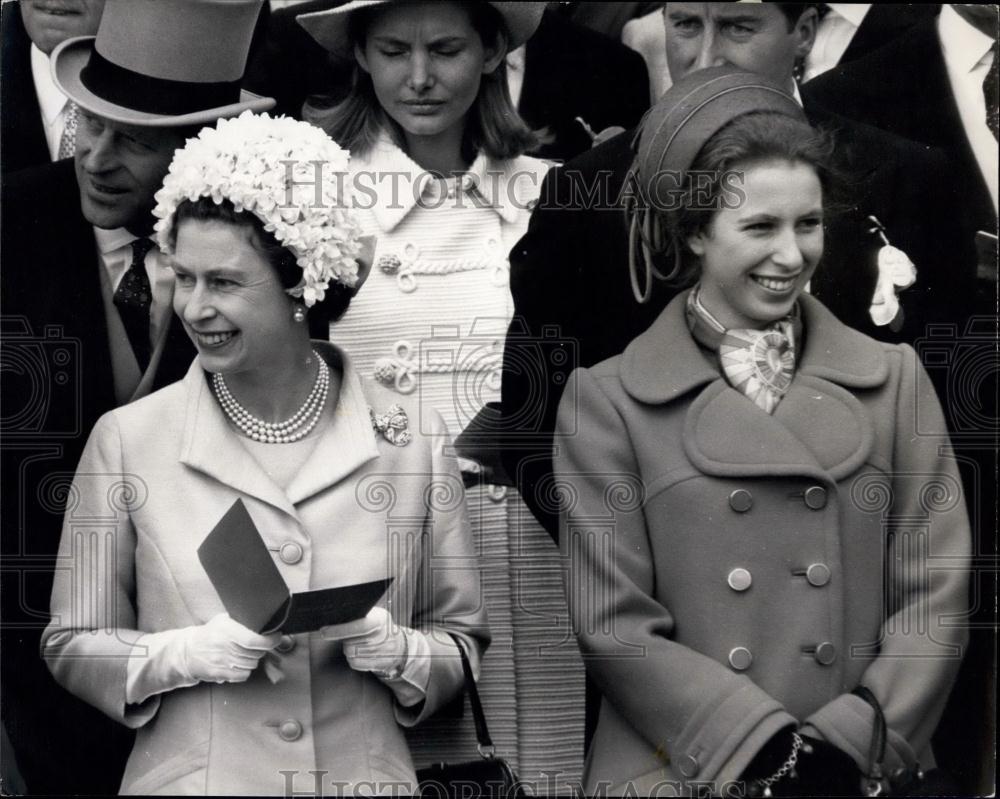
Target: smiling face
{"x": 750, "y": 36}
{"x": 51, "y": 22}
{"x": 119, "y": 168}
{"x": 426, "y": 62}
{"x": 231, "y": 300}
{"x": 757, "y": 258}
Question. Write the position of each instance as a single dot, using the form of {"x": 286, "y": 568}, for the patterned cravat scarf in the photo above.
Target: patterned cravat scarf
{"x": 757, "y": 363}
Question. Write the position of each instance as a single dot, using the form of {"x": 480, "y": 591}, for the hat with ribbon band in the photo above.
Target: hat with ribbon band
{"x": 163, "y": 63}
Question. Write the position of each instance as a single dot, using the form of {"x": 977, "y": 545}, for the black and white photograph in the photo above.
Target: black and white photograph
{"x": 498, "y": 399}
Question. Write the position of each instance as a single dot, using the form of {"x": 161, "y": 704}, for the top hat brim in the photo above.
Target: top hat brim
{"x": 68, "y": 61}
{"x": 330, "y": 27}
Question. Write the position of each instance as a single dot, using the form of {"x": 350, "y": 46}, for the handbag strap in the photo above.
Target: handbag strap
{"x": 486, "y": 747}
{"x": 876, "y": 752}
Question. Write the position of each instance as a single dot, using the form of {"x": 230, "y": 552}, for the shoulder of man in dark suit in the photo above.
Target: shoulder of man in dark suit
{"x": 572, "y": 71}
{"x": 573, "y": 306}
{"x": 21, "y": 131}
{"x": 895, "y": 88}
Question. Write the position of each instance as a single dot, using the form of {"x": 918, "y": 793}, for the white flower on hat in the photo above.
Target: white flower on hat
{"x": 287, "y": 173}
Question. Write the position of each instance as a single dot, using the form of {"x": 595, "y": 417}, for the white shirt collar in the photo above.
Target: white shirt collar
{"x": 964, "y": 46}
{"x": 50, "y": 99}
{"x": 110, "y": 240}
{"x": 852, "y": 12}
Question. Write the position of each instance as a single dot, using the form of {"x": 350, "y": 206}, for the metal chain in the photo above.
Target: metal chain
{"x": 785, "y": 767}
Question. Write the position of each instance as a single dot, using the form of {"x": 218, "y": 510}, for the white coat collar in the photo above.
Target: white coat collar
{"x": 210, "y": 445}
{"x": 392, "y": 184}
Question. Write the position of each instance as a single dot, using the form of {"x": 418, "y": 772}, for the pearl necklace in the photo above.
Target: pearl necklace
{"x": 293, "y": 429}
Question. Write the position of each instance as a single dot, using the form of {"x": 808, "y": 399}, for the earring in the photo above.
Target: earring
{"x": 299, "y": 314}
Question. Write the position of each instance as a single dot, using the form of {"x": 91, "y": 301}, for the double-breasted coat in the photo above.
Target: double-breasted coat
{"x": 733, "y": 572}
{"x": 155, "y": 478}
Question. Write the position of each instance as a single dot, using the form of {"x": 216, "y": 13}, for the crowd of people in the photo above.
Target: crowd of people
{"x": 646, "y": 352}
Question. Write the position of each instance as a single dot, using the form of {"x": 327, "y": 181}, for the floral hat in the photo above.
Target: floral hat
{"x": 290, "y": 175}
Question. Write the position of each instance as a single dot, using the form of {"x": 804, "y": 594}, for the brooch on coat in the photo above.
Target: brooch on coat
{"x": 895, "y": 273}
{"x": 392, "y": 425}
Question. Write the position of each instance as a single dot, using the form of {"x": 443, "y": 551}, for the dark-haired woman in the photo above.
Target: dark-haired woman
{"x": 763, "y": 514}
{"x": 323, "y": 460}
{"x": 441, "y": 179}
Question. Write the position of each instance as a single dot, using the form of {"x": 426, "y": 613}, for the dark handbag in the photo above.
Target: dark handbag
{"x": 935, "y": 782}
{"x": 490, "y": 776}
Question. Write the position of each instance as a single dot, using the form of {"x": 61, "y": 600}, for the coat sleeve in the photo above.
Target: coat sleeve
{"x": 924, "y": 634}
{"x": 92, "y": 631}
{"x": 537, "y": 358}
{"x": 449, "y": 596}
{"x": 692, "y": 711}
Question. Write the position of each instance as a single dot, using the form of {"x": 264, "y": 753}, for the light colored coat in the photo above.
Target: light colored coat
{"x": 431, "y": 322}
{"x": 694, "y": 520}
{"x": 155, "y": 478}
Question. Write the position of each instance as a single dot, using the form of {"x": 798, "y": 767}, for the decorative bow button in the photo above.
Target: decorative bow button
{"x": 394, "y": 425}
{"x": 399, "y": 372}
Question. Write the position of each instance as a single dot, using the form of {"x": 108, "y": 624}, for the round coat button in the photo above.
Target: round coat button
{"x": 290, "y": 730}
{"x": 290, "y": 552}
{"x": 818, "y": 574}
{"x": 739, "y": 579}
{"x": 741, "y": 500}
{"x": 689, "y": 765}
{"x": 816, "y": 497}
{"x": 285, "y": 645}
{"x": 826, "y": 653}
{"x": 740, "y": 658}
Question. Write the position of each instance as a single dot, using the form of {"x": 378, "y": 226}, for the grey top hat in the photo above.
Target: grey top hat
{"x": 330, "y": 27}
{"x": 163, "y": 63}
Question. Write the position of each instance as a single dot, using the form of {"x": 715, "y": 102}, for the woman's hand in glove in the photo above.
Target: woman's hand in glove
{"x": 820, "y": 769}
{"x": 223, "y": 650}
{"x": 375, "y": 643}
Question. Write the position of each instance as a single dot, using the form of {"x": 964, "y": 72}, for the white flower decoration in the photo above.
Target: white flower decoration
{"x": 290, "y": 175}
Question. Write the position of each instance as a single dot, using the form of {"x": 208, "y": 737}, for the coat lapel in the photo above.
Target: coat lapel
{"x": 819, "y": 429}
{"x": 347, "y": 444}
{"x": 212, "y": 448}
{"x": 210, "y": 445}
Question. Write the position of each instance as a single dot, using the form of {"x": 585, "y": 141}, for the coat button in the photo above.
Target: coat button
{"x": 290, "y": 730}
{"x": 290, "y": 552}
{"x": 816, "y": 497}
{"x": 825, "y": 653}
{"x": 688, "y": 765}
{"x": 740, "y": 658}
{"x": 818, "y": 574}
{"x": 739, "y": 579}
{"x": 285, "y": 645}
{"x": 741, "y": 500}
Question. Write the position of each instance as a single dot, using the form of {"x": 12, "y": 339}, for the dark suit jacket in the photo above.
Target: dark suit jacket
{"x": 570, "y": 71}
{"x": 573, "y": 305}
{"x": 22, "y": 135}
{"x": 56, "y": 382}
{"x": 883, "y": 23}
{"x": 903, "y": 88}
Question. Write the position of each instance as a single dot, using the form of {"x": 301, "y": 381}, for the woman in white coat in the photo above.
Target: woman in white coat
{"x": 442, "y": 180}
{"x": 341, "y": 483}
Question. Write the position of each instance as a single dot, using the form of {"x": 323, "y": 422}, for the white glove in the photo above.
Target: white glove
{"x": 222, "y": 650}
{"x": 375, "y": 643}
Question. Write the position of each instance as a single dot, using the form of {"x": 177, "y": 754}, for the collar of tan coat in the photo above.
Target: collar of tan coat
{"x": 389, "y": 182}
{"x": 210, "y": 446}
{"x": 820, "y": 427}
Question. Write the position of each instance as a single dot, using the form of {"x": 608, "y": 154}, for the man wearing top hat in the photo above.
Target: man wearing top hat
{"x": 88, "y": 324}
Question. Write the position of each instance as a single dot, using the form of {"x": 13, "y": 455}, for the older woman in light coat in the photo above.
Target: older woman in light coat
{"x": 347, "y": 489}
